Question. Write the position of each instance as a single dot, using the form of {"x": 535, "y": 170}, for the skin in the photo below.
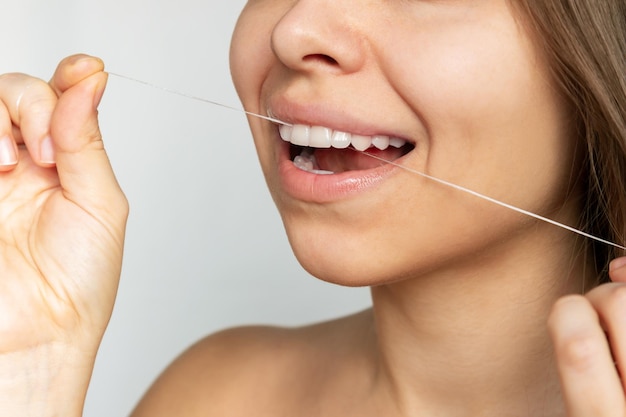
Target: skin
{"x": 463, "y": 82}
{"x": 460, "y": 305}
{"x": 63, "y": 217}
{"x": 458, "y": 321}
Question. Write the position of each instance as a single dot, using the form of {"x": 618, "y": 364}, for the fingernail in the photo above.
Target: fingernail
{"x": 617, "y": 263}
{"x": 8, "y": 153}
{"x": 46, "y": 155}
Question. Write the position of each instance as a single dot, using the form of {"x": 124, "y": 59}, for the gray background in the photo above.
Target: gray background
{"x": 205, "y": 247}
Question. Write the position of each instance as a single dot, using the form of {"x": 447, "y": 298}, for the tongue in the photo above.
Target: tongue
{"x": 341, "y": 160}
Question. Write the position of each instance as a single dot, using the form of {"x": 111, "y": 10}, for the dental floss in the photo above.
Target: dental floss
{"x": 498, "y": 202}
{"x": 440, "y": 181}
{"x": 203, "y": 100}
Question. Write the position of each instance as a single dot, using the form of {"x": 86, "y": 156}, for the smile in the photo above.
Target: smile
{"x": 324, "y": 151}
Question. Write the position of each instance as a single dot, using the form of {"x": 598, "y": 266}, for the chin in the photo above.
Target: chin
{"x": 348, "y": 261}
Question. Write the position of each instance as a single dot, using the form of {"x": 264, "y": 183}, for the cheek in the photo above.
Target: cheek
{"x": 251, "y": 59}
{"x": 458, "y": 83}
{"x": 250, "y": 53}
{"x": 488, "y": 106}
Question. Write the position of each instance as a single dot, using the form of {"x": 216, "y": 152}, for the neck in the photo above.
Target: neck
{"x": 471, "y": 339}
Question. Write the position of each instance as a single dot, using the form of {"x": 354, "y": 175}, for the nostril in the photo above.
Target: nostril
{"x": 325, "y": 59}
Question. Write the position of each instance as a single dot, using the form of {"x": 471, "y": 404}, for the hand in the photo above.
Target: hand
{"x": 589, "y": 334}
{"x": 62, "y": 219}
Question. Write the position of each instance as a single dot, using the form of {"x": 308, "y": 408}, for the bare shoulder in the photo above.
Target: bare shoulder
{"x": 254, "y": 370}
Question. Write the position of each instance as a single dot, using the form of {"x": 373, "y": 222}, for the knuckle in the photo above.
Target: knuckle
{"x": 92, "y": 138}
{"x": 93, "y": 135}
{"x": 23, "y": 82}
{"x": 577, "y": 341}
{"x": 14, "y": 77}
{"x": 123, "y": 206}
{"x": 579, "y": 351}
{"x": 38, "y": 95}
{"x": 117, "y": 209}
{"x": 26, "y": 100}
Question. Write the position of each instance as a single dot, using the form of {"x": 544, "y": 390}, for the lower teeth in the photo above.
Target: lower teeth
{"x": 306, "y": 162}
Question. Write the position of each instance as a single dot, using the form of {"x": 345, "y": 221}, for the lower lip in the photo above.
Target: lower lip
{"x": 326, "y": 188}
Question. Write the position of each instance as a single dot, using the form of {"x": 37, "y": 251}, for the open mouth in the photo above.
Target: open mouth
{"x": 321, "y": 150}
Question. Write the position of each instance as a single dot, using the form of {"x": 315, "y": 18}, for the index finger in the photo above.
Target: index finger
{"x": 29, "y": 103}
{"x": 74, "y": 69}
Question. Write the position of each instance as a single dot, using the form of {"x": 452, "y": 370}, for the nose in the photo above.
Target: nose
{"x": 319, "y": 35}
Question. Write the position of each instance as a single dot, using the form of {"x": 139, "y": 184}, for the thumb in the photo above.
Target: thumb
{"x": 84, "y": 170}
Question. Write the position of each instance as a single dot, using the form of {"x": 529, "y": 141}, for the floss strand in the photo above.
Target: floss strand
{"x": 429, "y": 177}
{"x": 196, "y": 98}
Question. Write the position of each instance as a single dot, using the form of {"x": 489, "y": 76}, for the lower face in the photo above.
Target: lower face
{"x": 460, "y": 90}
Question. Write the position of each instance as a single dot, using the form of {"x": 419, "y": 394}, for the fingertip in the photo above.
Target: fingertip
{"x": 617, "y": 263}
{"x": 8, "y": 153}
{"x": 617, "y": 269}
{"x": 86, "y": 64}
{"x": 8, "y": 146}
{"x": 47, "y": 155}
{"x": 563, "y": 311}
{"x": 74, "y": 69}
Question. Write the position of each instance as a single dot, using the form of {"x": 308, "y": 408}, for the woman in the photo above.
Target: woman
{"x": 519, "y": 101}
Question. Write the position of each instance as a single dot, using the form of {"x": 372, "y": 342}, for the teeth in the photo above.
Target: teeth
{"x": 396, "y": 142}
{"x": 323, "y": 137}
{"x": 285, "y": 132}
{"x": 381, "y": 142}
{"x": 300, "y": 135}
{"x": 361, "y": 143}
{"x": 341, "y": 140}
{"x": 319, "y": 137}
{"x": 306, "y": 162}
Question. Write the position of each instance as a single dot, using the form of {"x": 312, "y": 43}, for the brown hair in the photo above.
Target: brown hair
{"x": 585, "y": 41}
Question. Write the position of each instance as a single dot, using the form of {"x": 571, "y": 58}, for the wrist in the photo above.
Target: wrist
{"x": 45, "y": 381}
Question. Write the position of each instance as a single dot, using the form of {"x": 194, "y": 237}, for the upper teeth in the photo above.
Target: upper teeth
{"x": 323, "y": 137}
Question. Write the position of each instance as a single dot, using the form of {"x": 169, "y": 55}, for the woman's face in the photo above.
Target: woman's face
{"x": 457, "y": 84}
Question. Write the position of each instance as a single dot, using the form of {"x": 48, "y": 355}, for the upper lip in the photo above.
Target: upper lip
{"x": 314, "y": 114}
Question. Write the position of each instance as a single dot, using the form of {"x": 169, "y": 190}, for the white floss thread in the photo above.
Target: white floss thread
{"x": 498, "y": 202}
{"x": 203, "y": 100}
{"x": 430, "y": 177}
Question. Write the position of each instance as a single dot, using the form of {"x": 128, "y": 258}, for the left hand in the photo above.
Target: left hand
{"x": 589, "y": 336}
